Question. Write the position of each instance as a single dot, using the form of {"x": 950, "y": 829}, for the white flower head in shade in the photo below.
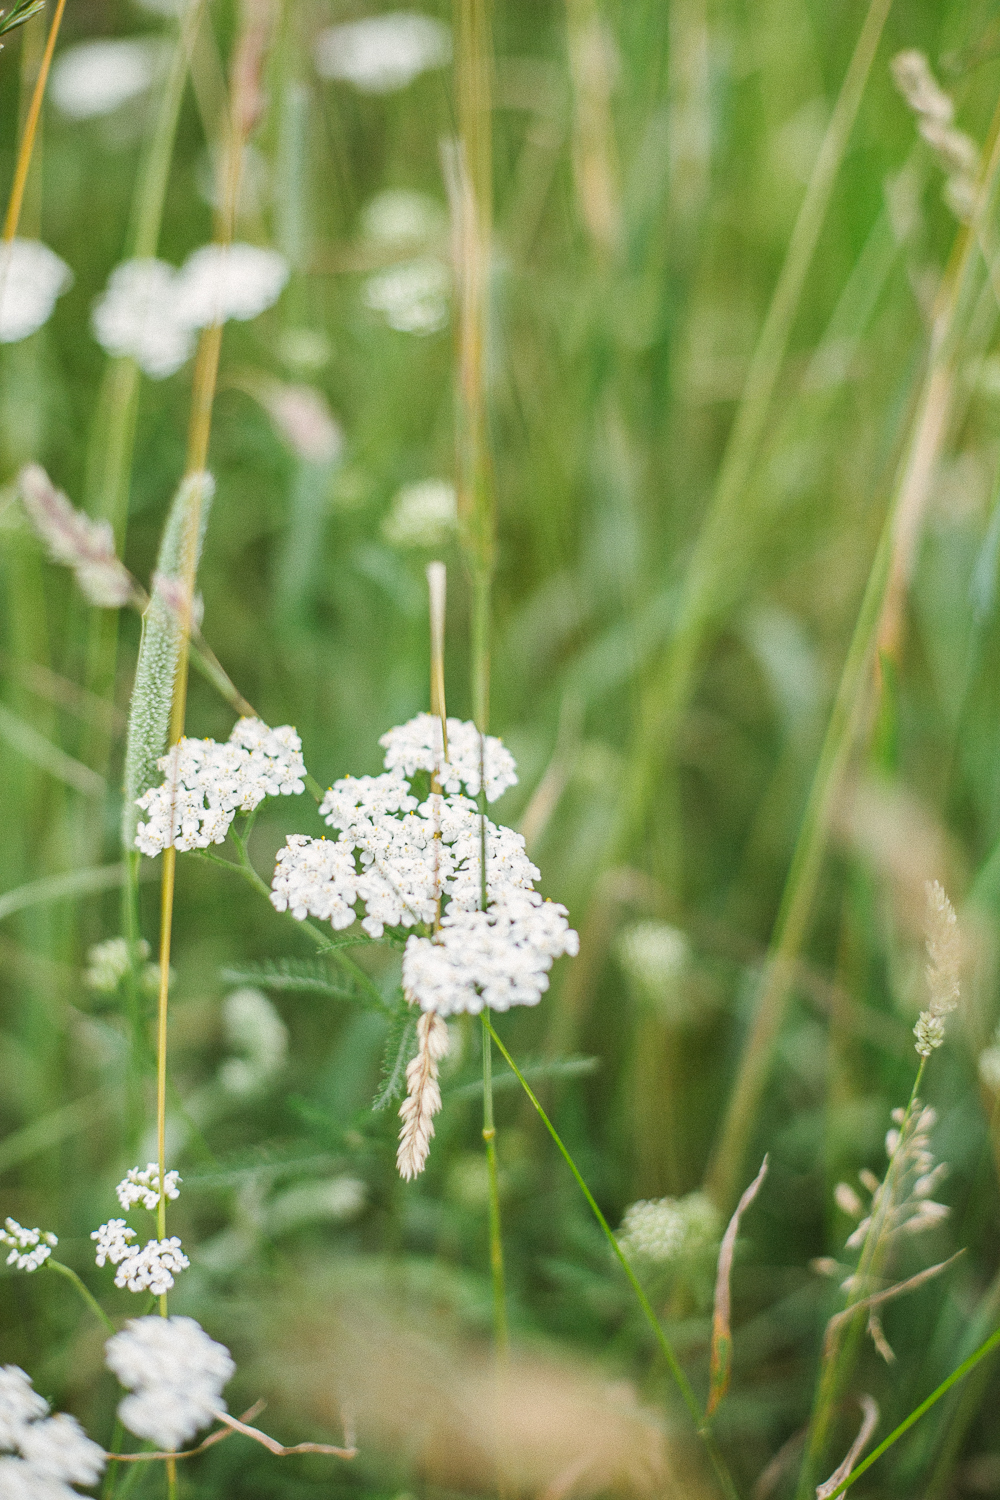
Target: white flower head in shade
{"x": 52, "y": 1453}
{"x": 108, "y": 963}
{"x": 137, "y": 315}
{"x": 667, "y": 1230}
{"x": 399, "y": 216}
{"x": 422, "y": 515}
{"x": 143, "y": 1186}
{"x": 383, "y": 53}
{"x": 412, "y": 297}
{"x": 175, "y": 1373}
{"x": 31, "y": 278}
{"x": 417, "y": 746}
{"x": 29, "y": 1248}
{"x": 219, "y": 282}
{"x": 208, "y": 783}
{"x": 93, "y": 78}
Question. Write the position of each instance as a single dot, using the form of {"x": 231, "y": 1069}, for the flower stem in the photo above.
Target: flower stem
{"x": 85, "y": 1293}
{"x": 496, "y": 1243}
{"x": 683, "y": 1384}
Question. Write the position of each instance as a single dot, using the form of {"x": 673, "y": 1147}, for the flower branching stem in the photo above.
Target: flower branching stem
{"x": 688, "y": 1396}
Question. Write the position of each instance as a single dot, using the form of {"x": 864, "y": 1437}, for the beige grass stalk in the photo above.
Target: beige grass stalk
{"x": 877, "y": 627}
{"x": 13, "y": 215}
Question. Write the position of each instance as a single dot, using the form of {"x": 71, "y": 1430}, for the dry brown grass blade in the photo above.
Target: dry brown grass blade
{"x": 878, "y": 1298}
{"x": 868, "y": 1423}
{"x": 279, "y": 1449}
{"x": 722, "y": 1339}
{"x": 218, "y": 1436}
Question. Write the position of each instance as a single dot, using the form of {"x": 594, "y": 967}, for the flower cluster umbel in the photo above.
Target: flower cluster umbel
{"x": 43, "y": 1456}
{"x": 150, "y": 1267}
{"x": 29, "y": 1248}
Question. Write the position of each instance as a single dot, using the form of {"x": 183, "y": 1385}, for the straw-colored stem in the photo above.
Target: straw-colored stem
{"x": 667, "y": 696}
{"x": 877, "y": 627}
{"x": 683, "y": 1384}
{"x": 23, "y": 164}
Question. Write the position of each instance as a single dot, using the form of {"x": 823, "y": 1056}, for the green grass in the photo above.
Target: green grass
{"x": 700, "y": 423}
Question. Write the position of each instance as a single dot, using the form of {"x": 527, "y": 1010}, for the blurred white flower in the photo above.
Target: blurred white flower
{"x": 175, "y": 1373}
{"x": 93, "y": 78}
{"x": 219, "y": 282}
{"x": 400, "y": 216}
{"x": 413, "y": 298}
{"x": 383, "y": 53}
{"x": 108, "y": 963}
{"x": 152, "y": 312}
{"x": 254, "y": 1028}
{"x": 31, "y": 278}
{"x": 137, "y": 316}
{"x": 422, "y": 515}
{"x": 337, "y": 1198}
{"x": 669, "y": 1229}
{"x": 30, "y": 1248}
{"x": 53, "y": 1452}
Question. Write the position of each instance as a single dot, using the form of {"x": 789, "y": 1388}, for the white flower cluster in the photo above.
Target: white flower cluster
{"x": 944, "y": 952}
{"x": 666, "y": 1230}
{"x": 422, "y": 515}
{"x": 208, "y": 783}
{"x": 150, "y": 1269}
{"x": 412, "y": 297}
{"x": 405, "y": 859}
{"x": 43, "y": 1456}
{"x": 31, "y": 278}
{"x": 93, "y": 78}
{"x": 175, "y": 1373}
{"x": 902, "y": 1201}
{"x": 152, "y": 312}
{"x": 143, "y": 1186}
{"x": 29, "y": 1248}
{"x": 382, "y": 53}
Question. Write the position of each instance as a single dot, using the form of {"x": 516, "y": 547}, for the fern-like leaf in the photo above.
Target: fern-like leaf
{"x": 400, "y": 1045}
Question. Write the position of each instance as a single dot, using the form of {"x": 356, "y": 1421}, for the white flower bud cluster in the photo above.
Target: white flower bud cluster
{"x": 208, "y": 783}
{"x": 944, "y": 952}
{"x": 902, "y": 1201}
{"x": 379, "y": 54}
{"x": 43, "y": 1456}
{"x": 407, "y": 860}
{"x": 143, "y": 1186}
{"x": 175, "y": 1373}
{"x": 108, "y": 963}
{"x": 31, "y": 278}
{"x": 29, "y": 1248}
{"x": 666, "y": 1230}
{"x": 152, "y": 312}
{"x": 149, "y": 1269}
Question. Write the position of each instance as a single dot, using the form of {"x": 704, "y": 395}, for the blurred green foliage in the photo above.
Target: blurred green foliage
{"x": 642, "y": 215}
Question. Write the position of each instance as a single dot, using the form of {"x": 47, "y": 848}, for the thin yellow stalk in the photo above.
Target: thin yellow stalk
{"x": 26, "y": 147}
{"x": 877, "y": 625}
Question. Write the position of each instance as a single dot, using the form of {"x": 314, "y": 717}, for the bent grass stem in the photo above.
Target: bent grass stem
{"x": 683, "y": 1384}
{"x": 87, "y": 1295}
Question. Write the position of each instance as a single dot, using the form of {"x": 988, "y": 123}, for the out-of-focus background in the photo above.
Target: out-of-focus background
{"x": 692, "y": 474}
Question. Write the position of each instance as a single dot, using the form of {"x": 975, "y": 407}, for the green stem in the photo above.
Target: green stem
{"x": 956, "y": 1375}
{"x": 87, "y": 1295}
{"x": 496, "y": 1242}
{"x": 683, "y": 1384}
{"x": 837, "y": 1367}
{"x": 249, "y": 874}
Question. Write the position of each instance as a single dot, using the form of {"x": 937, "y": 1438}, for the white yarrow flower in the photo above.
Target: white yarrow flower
{"x": 176, "y": 1374}
{"x": 422, "y": 515}
{"x": 412, "y": 297}
{"x": 219, "y": 282}
{"x": 208, "y": 783}
{"x": 137, "y": 315}
{"x": 416, "y": 746}
{"x": 382, "y": 53}
{"x": 94, "y": 78}
{"x": 400, "y": 216}
{"x": 31, "y": 278}
{"x": 29, "y": 1248}
{"x": 666, "y": 1230}
{"x": 113, "y": 1241}
{"x": 43, "y": 1455}
{"x": 143, "y": 1186}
